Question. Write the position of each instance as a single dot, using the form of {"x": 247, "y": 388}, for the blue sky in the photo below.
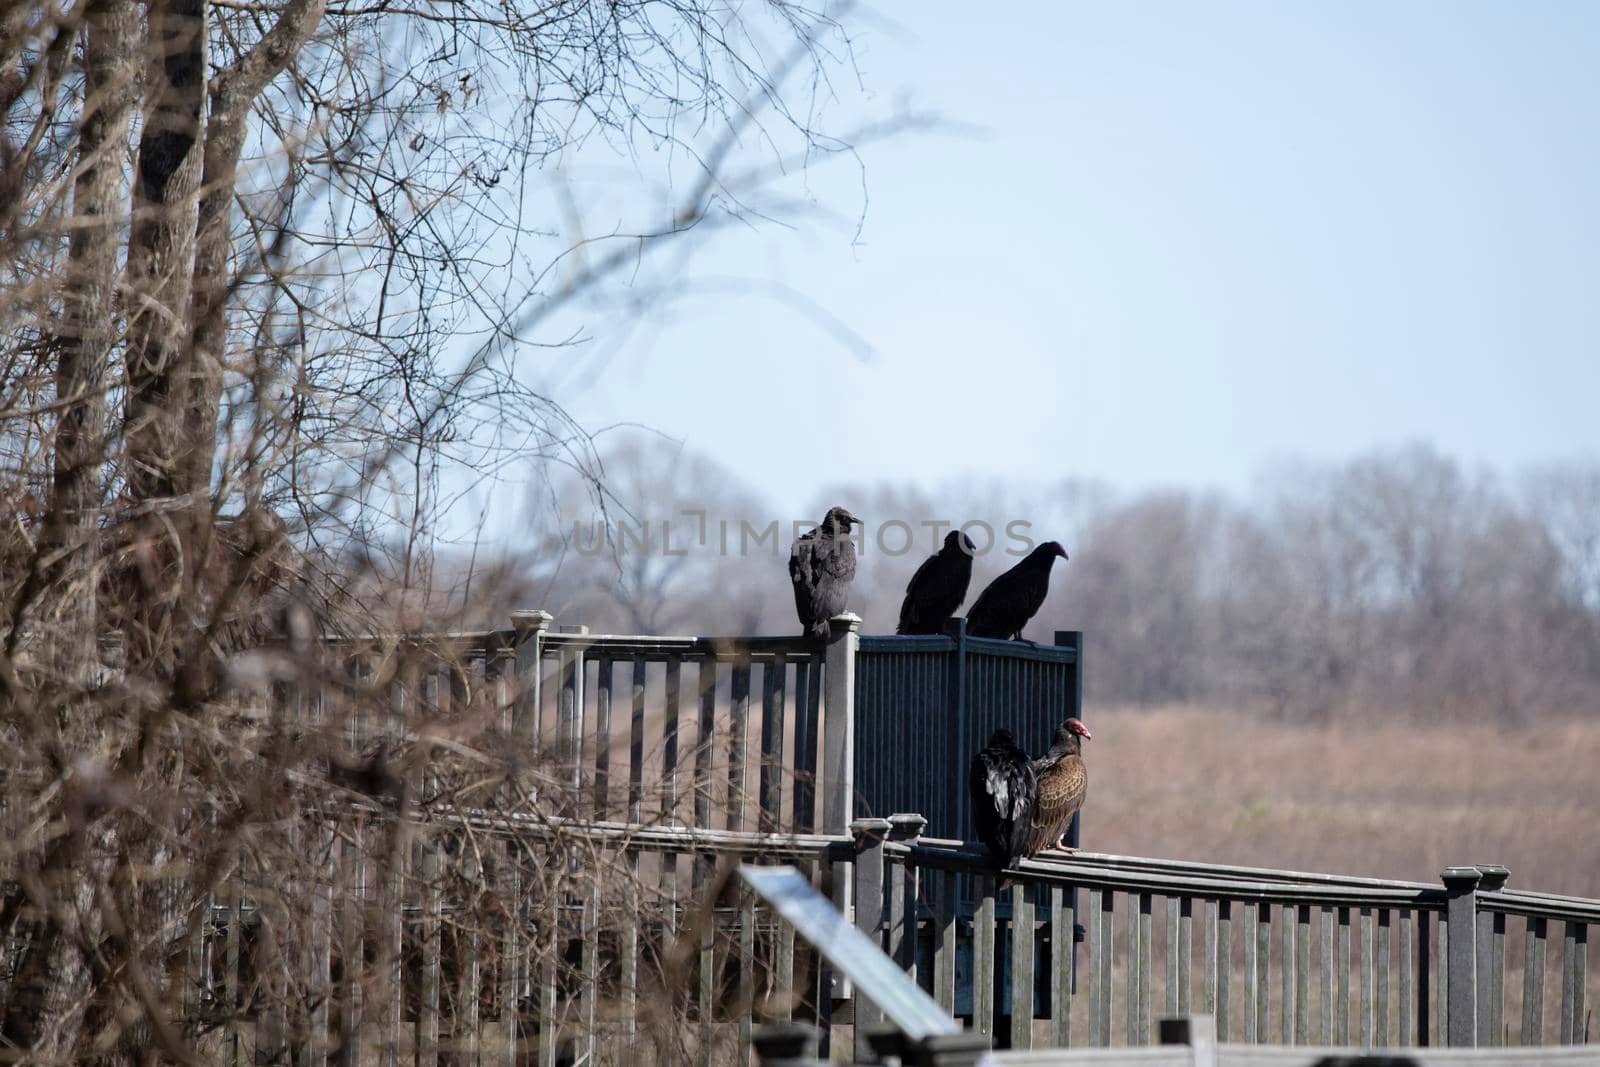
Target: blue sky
{"x": 1189, "y": 240}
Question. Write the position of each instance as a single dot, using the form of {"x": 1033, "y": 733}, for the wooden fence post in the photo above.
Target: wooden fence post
{"x": 839, "y": 723}
{"x": 530, "y": 627}
{"x": 869, "y": 836}
{"x": 839, "y": 755}
{"x": 1491, "y": 978}
{"x": 1199, "y": 1032}
{"x": 1461, "y": 961}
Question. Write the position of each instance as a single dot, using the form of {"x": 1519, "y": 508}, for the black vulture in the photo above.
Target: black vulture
{"x": 822, "y": 563}
{"x": 1063, "y": 783}
{"x": 1003, "y": 609}
{"x": 1002, "y": 782}
{"x": 939, "y": 586}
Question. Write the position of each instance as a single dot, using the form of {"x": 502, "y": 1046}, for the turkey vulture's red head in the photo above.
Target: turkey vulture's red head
{"x": 1069, "y": 738}
{"x": 840, "y": 519}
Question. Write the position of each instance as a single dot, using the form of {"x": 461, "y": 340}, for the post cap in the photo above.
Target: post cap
{"x": 869, "y": 827}
{"x": 531, "y": 619}
{"x": 1494, "y": 876}
{"x": 905, "y": 824}
{"x": 1463, "y": 879}
{"x": 845, "y": 620}
{"x": 776, "y": 1042}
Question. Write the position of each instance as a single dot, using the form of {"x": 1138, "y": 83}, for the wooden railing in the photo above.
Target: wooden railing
{"x": 1276, "y": 956}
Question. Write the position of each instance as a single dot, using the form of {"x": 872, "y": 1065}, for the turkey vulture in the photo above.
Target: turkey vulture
{"x": 1063, "y": 783}
{"x": 1003, "y": 609}
{"x": 821, "y": 564}
{"x": 1002, "y": 782}
{"x": 938, "y": 587}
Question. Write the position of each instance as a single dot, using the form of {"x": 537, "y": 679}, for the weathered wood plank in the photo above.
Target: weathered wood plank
{"x": 636, "y": 743}
{"x": 1263, "y": 971}
{"x": 774, "y": 681}
{"x": 738, "y": 748}
{"x": 807, "y": 680}
{"x": 1380, "y": 1015}
{"x": 1341, "y": 1017}
{"x": 1365, "y": 1002}
{"x": 1172, "y": 957}
{"x": 1497, "y": 981}
{"x": 509, "y": 994}
{"x": 747, "y": 978}
{"x": 1096, "y": 1033}
{"x": 1289, "y": 974}
{"x": 1107, "y": 955}
{"x": 628, "y": 950}
{"x": 1224, "y": 965}
{"x": 944, "y": 963}
{"x": 1408, "y": 937}
{"x": 1185, "y": 952}
{"x": 1061, "y": 956}
{"x": 983, "y": 952}
{"x": 1252, "y": 977}
{"x": 1533, "y": 963}
{"x": 1022, "y": 931}
{"x": 1132, "y": 962}
{"x": 605, "y": 668}
{"x": 1326, "y": 969}
{"x": 670, "y": 720}
{"x": 705, "y": 741}
{"x": 1209, "y": 961}
{"x": 1425, "y": 977}
{"x": 428, "y": 947}
{"x": 1146, "y": 970}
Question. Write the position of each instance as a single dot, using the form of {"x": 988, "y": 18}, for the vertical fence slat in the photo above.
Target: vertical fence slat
{"x": 1096, "y": 1035}
{"x": 1380, "y": 1019}
{"x": 628, "y": 965}
{"x": 747, "y": 978}
{"x": 1224, "y": 965}
{"x": 1364, "y": 1003}
{"x": 705, "y": 741}
{"x": 1108, "y": 945}
{"x": 1022, "y": 929}
{"x": 1425, "y": 978}
{"x": 1263, "y": 971}
{"x": 1209, "y": 961}
{"x": 636, "y": 742}
{"x": 983, "y": 952}
{"x": 427, "y": 941}
{"x": 1497, "y": 981}
{"x": 1569, "y": 984}
{"x": 1061, "y": 957}
{"x": 1326, "y": 970}
{"x": 1131, "y": 962}
{"x": 738, "y": 732}
{"x": 1146, "y": 969}
{"x": 604, "y": 669}
{"x": 1185, "y": 952}
{"x": 509, "y": 994}
{"x": 1289, "y": 974}
{"x": 807, "y": 682}
{"x": 1252, "y": 976}
{"x": 1405, "y": 1035}
{"x": 772, "y": 727}
{"x": 1341, "y": 1029}
{"x": 944, "y": 964}
{"x": 1172, "y": 956}
{"x": 1533, "y": 959}
{"x": 669, "y": 742}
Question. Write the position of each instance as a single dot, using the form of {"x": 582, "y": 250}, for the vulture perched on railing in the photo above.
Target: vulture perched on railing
{"x": 939, "y": 586}
{"x": 1063, "y": 782}
{"x": 822, "y": 563}
{"x": 1003, "y": 609}
{"x": 1002, "y": 782}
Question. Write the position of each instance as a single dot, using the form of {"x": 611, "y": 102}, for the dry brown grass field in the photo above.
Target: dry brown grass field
{"x": 1379, "y": 798}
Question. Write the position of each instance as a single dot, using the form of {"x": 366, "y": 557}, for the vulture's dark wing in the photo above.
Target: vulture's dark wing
{"x": 1011, "y": 600}
{"x": 911, "y": 608}
{"x": 1062, "y": 789}
{"x": 802, "y": 573}
{"x": 1002, "y": 786}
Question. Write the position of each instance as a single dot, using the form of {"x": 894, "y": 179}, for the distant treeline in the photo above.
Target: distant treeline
{"x": 1400, "y": 582}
